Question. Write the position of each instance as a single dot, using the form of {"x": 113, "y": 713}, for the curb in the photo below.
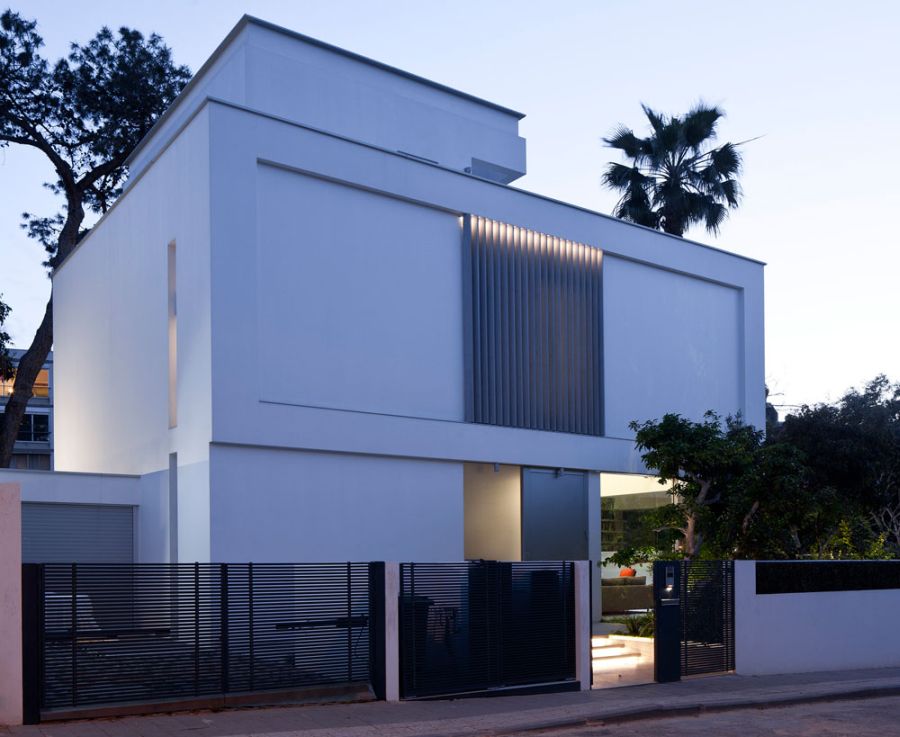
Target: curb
{"x": 693, "y": 709}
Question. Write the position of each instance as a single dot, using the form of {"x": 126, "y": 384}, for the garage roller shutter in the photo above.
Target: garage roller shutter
{"x": 77, "y": 533}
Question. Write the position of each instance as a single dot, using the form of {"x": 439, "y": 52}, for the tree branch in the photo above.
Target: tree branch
{"x": 63, "y": 168}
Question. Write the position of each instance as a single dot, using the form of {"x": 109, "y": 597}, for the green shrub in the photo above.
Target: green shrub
{"x": 636, "y": 625}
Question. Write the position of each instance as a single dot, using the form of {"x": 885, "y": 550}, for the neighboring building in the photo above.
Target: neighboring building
{"x": 319, "y": 325}
{"x": 34, "y": 444}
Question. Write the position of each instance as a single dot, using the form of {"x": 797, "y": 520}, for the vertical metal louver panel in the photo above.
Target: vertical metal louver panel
{"x": 707, "y": 617}
{"x": 114, "y": 634}
{"x": 534, "y": 327}
{"x": 77, "y": 533}
{"x": 485, "y": 625}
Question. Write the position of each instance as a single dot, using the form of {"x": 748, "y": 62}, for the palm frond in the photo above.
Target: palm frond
{"x": 657, "y": 121}
{"x": 700, "y": 124}
{"x": 727, "y": 160}
{"x": 626, "y": 141}
{"x": 620, "y": 176}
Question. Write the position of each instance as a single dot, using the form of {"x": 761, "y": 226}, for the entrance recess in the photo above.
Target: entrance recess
{"x": 554, "y": 514}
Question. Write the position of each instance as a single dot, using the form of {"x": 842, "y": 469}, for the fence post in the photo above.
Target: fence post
{"x": 32, "y": 650}
{"x": 223, "y": 625}
{"x": 10, "y": 604}
{"x": 667, "y": 594}
{"x": 392, "y": 631}
{"x": 583, "y": 672}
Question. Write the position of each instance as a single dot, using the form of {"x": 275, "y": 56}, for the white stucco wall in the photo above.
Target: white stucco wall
{"x": 282, "y": 506}
{"x": 359, "y": 300}
{"x": 672, "y": 343}
{"x": 74, "y": 488}
{"x": 822, "y": 631}
{"x": 111, "y": 356}
{"x": 274, "y": 71}
{"x": 332, "y": 378}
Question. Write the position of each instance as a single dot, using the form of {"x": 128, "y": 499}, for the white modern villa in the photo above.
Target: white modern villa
{"x": 322, "y": 324}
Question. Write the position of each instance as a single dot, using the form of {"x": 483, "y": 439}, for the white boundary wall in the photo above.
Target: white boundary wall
{"x": 822, "y": 631}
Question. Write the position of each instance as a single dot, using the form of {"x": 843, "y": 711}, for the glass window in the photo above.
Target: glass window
{"x": 34, "y": 429}
{"x": 41, "y": 388}
{"x": 42, "y": 384}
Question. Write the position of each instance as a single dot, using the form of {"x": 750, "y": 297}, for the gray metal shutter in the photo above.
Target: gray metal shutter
{"x": 77, "y": 533}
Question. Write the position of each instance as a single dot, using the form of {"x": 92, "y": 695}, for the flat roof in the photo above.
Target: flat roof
{"x": 249, "y": 19}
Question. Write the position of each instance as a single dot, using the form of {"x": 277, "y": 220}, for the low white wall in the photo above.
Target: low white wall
{"x": 799, "y": 633}
{"x": 74, "y": 488}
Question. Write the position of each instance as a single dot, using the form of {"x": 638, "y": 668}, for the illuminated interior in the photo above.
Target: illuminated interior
{"x": 625, "y": 501}
{"x": 41, "y": 386}
{"x": 493, "y": 511}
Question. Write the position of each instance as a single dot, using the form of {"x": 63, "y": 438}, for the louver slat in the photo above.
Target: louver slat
{"x": 533, "y": 329}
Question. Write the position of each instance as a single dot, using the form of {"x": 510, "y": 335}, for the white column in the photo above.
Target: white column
{"x": 583, "y": 624}
{"x": 745, "y": 646}
{"x": 391, "y": 632}
{"x": 10, "y": 604}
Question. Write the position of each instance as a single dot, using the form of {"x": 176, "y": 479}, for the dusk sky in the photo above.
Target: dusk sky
{"x": 816, "y": 82}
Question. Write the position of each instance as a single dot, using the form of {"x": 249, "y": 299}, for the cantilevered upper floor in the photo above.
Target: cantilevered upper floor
{"x": 272, "y": 70}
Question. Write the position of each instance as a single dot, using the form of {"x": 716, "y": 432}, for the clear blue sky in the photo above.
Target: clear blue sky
{"x": 818, "y": 80}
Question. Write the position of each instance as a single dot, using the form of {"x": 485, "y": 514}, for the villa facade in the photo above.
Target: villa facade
{"x": 320, "y": 324}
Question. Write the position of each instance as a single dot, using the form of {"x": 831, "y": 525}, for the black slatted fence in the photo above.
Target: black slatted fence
{"x": 484, "y": 625}
{"x": 119, "y": 633}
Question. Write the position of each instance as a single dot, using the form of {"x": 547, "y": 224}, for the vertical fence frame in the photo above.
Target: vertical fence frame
{"x": 32, "y": 642}
{"x": 695, "y": 618}
{"x": 183, "y": 631}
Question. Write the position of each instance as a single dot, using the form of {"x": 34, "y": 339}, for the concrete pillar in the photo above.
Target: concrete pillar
{"x": 583, "y": 671}
{"x": 10, "y": 604}
{"x": 392, "y": 632}
{"x": 744, "y": 595}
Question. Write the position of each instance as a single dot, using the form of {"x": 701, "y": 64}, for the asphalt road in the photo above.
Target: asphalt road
{"x": 860, "y": 718}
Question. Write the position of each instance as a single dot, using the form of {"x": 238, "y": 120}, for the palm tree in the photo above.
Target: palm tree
{"x": 674, "y": 179}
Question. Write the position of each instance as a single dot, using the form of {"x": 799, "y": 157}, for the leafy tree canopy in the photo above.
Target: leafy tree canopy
{"x": 852, "y": 448}
{"x": 675, "y": 177}
{"x": 85, "y": 113}
{"x": 703, "y": 462}
{"x": 738, "y": 495}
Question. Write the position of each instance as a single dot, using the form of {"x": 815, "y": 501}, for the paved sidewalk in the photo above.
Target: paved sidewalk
{"x": 491, "y": 716}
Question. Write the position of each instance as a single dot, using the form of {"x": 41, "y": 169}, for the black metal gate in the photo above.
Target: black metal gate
{"x": 694, "y": 618}
{"x": 484, "y": 625}
{"x": 106, "y": 634}
{"x": 707, "y": 617}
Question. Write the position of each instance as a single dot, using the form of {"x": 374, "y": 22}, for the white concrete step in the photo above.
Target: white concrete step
{"x": 611, "y": 650}
{"x": 630, "y": 660}
{"x": 609, "y": 654}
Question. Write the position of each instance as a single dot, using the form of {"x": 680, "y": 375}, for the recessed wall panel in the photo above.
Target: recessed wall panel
{"x": 672, "y": 343}
{"x": 360, "y": 306}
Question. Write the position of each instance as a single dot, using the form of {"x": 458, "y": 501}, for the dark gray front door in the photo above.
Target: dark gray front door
{"x": 554, "y": 515}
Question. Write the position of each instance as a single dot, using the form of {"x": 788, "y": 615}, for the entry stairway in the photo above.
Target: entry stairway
{"x": 620, "y": 661}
